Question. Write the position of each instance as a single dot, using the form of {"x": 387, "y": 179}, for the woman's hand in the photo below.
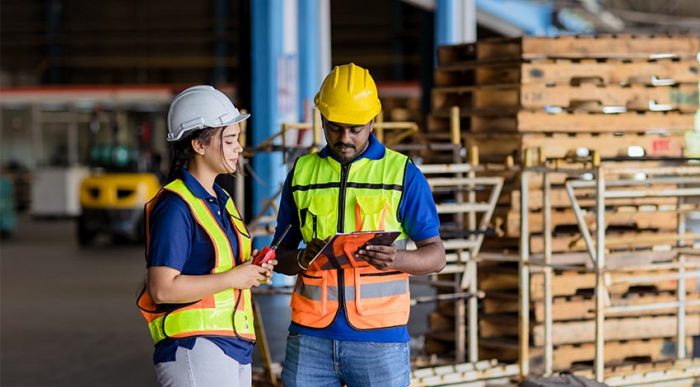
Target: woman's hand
{"x": 247, "y": 275}
{"x": 269, "y": 265}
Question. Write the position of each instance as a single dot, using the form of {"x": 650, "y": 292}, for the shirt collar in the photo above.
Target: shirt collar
{"x": 375, "y": 151}
{"x": 197, "y": 190}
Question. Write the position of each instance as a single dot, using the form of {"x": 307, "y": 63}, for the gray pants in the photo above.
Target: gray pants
{"x": 204, "y": 365}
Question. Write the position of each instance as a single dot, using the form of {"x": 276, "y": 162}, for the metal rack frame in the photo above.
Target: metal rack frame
{"x": 682, "y": 175}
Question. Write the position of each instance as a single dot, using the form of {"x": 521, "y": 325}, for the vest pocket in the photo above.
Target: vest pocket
{"x": 380, "y": 292}
{"x": 370, "y": 212}
{"x": 320, "y": 219}
{"x": 311, "y": 293}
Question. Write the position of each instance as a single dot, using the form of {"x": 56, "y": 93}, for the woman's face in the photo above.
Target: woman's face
{"x": 224, "y": 149}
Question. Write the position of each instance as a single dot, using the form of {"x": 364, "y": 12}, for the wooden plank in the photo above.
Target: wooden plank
{"x": 496, "y": 146}
{"x": 567, "y": 243}
{"x": 568, "y": 356}
{"x": 582, "y": 307}
{"x": 599, "y": 46}
{"x": 571, "y": 283}
{"x": 439, "y": 322}
{"x": 579, "y": 307}
{"x": 456, "y": 53}
{"x": 617, "y": 329}
{"x": 658, "y": 220}
{"x": 586, "y": 97}
{"x": 526, "y": 121}
{"x": 566, "y": 72}
{"x": 575, "y": 332}
{"x": 560, "y": 199}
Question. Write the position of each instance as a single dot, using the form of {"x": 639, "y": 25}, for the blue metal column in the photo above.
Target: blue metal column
{"x": 275, "y": 85}
{"x": 444, "y": 22}
{"x": 309, "y": 58}
{"x": 267, "y": 42}
{"x": 455, "y": 21}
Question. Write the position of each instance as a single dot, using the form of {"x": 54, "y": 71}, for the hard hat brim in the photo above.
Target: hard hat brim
{"x": 202, "y": 125}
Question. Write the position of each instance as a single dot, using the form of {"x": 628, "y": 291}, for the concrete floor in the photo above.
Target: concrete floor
{"x": 68, "y": 315}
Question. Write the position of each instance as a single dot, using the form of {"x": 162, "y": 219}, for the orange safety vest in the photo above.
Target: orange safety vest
{"x": 226, "y": 313}
{"x": 361, "y": 196}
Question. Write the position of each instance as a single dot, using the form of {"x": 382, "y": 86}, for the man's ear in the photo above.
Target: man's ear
{"x": 197, "y": 146}
{"x": 371, "y": 125}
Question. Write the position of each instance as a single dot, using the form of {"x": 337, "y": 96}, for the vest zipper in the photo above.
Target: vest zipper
{"x": 344, "y": 172}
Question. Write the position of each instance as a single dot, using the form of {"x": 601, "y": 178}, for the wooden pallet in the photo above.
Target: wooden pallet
{"x": 576, "y": 332}
{"x": 677, "y": 373}
{"x": 567, "y": 72}
{"x": 574, "y": 242}
{"x": 568, "y": 356}
{"x": 587, "y": 98}
{"x": 497, "y": 146}
{"x": 511, "y": 177}
{"x": 560, "y": 219}
{"x": 542, "y": 122}
{"x": 577, "y": 123}
{"x": 582, "y": 307}
{"x": 560, "y": 199}
{"x": 572, "y": 283}
{"x": 600, "y": 46}
{"x": 483, "y": 373}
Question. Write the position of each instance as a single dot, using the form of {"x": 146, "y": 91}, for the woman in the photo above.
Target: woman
{"x": 197, "y": 296}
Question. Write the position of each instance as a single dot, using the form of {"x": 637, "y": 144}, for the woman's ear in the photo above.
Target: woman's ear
{"x": 197, "y": 146}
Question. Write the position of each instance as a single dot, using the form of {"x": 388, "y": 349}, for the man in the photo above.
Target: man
{"x": 349, "y": 321}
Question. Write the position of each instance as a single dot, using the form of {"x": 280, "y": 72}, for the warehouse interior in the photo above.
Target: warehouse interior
{"x": 560, "y": 139}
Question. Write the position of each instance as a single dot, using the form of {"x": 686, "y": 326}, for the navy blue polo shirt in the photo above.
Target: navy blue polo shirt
{"x": 418, "y": 216}
{"x": 178, "y": 241}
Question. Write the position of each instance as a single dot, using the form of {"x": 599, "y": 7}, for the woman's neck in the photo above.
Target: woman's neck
{"x": 204, "y": 176}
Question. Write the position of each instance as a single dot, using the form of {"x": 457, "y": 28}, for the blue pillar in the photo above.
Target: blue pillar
{"x": 455, "y": 21}
{"x": 267, "y": 54}
{"x": 309, "y": 57}
{"x": 444, "y": 22}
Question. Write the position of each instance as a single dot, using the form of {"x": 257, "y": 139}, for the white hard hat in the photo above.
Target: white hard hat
{"x": 201, "y": 107}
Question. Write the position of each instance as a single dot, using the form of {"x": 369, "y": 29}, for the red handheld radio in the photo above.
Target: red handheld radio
{"x": 268, "y": 253}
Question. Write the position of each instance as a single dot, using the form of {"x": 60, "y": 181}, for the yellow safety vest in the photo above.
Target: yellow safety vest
{"x": 361, "y": 196}
{"x": 226, "y": 313}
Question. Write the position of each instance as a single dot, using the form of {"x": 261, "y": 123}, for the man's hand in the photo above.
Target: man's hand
{"x": 306, "y": 256}
{"x": 380, "y": 256}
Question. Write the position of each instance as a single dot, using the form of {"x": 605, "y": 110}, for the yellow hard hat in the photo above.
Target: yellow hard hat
{"x": 348, "y": 95}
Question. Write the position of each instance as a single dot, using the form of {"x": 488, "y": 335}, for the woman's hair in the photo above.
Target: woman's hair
{"x": 182, "y": 152}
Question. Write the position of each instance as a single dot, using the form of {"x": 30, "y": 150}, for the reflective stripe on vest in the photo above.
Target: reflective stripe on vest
{"x": 226, "y": 313}
{"x": 363, "y": 196}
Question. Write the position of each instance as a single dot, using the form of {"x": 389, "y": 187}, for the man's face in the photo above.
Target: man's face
{"x": 347, "y": 141}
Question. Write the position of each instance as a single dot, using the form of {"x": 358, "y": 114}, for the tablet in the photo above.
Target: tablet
{"x": 340, "y": 249}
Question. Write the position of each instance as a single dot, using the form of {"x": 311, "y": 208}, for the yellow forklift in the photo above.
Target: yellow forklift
{"x": 124, "y": 178}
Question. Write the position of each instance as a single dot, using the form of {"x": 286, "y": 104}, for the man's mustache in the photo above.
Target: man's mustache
{"x": 343, "y": 145}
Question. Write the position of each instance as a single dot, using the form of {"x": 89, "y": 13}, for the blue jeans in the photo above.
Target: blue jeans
{"x": 314, "y": 361}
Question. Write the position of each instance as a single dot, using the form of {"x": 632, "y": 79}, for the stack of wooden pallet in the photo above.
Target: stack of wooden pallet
{"x": 630, "y": 335}
{"x": 621, "y": 96}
